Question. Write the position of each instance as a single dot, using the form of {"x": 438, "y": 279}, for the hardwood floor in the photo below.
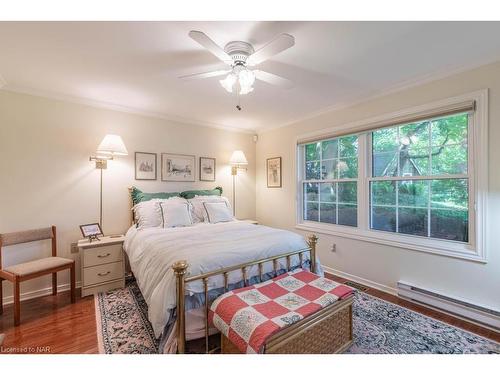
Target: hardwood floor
{"x": 51, "y": 324}
{"x": 54, "y": 325}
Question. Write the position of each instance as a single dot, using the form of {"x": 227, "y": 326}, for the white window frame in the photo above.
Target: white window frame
{"x": 475, "y": 249}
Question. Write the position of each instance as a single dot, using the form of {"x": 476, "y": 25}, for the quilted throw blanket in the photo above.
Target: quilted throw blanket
{"x": 249, "y": 316}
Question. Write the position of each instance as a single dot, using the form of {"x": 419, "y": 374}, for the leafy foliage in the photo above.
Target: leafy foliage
{"x": 432, "y": 147}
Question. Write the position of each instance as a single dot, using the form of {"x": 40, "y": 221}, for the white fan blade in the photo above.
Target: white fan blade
{"x": 205, "y": 75}
{"x": 210, "y": 45}
{"x": 277, "y": 45}
{"x": 273, "y": 79}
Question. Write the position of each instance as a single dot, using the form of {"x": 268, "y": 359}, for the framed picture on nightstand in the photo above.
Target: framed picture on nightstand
{"x": 91, "y": 231}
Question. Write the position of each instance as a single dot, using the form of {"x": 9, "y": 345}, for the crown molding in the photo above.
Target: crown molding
{"x": 401, "y": 86}
{"x": 115, "y": 107}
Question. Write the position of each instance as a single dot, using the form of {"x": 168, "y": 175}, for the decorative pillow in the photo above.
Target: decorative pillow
{"x": 148, "y": 214}
{"x": 217, "y": 212}
{"x": 139, "y": 196}
{"x": 176, "y": 214}
{"x": 189, "y": 194}
{"x": 198, "y": 209}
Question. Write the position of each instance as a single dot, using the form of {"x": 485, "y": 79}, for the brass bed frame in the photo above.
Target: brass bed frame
{"x": 334, "y": 322}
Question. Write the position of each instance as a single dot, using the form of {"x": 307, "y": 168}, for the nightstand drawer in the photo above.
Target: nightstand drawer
{"x": 102, "y": 254}
{"x": 102, "y": 273}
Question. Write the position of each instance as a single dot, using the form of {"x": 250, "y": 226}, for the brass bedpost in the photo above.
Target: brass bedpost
{"x": 180, "y": 269}
{"x": 132, "y": 215}
{"x": 312, "y": 241}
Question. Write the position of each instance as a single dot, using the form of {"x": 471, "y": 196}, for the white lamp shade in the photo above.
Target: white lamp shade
{"x": 238, "y": 158}
{"x": 228, "y": 82}
{"x": 112, "y": 145}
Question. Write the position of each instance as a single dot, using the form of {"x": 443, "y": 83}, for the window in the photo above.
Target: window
{"x": 419, "y": 178}
{"x": 416, "y": 179}
{"x": 330, "y": 184}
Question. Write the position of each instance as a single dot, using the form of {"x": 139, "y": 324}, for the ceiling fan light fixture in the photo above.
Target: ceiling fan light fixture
{"x": 228, "y": 82}
{"x": 246, "y": 78}
{"x": 245, "y": 90}
{"x": 240, "y": 55}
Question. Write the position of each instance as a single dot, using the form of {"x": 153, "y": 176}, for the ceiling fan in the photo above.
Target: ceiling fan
{"x": 240, "y": 56}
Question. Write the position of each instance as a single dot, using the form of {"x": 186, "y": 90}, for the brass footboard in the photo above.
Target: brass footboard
{"x": 180, "y": 269}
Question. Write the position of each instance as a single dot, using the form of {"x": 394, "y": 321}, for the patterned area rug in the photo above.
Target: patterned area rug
{"x": 380, "y": 327}
{"x": 122, "y": 322}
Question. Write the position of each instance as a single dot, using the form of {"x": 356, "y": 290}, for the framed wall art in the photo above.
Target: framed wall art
{"x": 177, "y": 167}
{"x": 274, "y": 172}
{"x": 207, "y": 169}
{"x": 145, "y": 166}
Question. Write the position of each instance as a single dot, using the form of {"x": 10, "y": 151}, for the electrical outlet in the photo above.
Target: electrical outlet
{"x": 74, "y": 248}
{"x": 334, "y": 248}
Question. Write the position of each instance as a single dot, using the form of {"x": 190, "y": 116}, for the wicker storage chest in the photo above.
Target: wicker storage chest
{"x": 327, "y": 331}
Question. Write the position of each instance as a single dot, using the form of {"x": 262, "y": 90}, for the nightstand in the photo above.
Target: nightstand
{"x": 102, "y": 263}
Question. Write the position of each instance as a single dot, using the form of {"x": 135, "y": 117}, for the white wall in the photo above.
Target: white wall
{"x": 479, "y": 283}
{"x": 47, "y": 179}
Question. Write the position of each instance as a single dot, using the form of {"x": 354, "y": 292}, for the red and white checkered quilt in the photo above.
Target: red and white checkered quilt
{"x": 249, "y": 316}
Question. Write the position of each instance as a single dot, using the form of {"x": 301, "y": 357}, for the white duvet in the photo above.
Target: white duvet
{"x": 206, "y": 247}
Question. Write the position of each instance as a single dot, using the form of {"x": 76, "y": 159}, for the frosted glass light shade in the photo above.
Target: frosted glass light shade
{"x": 228, "y": 82}
{"x": 238, "y": 158}
{"x": 112, "y": 145}
{"x": 246, "y": 78}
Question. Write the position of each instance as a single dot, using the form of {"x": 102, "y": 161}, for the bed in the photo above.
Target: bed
{"x": 180, "y": 270}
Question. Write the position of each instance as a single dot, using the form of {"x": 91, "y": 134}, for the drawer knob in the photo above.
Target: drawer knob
{"x": 103, "y": 255}
{"x": 103, "y": 273}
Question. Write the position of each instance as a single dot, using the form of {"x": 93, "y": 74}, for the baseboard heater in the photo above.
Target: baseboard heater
{"x": 484, "y": 316}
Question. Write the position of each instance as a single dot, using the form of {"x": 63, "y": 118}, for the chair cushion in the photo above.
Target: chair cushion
{"x": 38, "y": 265}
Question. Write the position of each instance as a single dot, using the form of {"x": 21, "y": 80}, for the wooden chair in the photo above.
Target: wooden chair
{"x": 36, "y": 268}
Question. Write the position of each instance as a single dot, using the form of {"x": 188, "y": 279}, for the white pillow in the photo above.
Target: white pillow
{"x": 176, "y": 214}
{"x": 198, "y": 209}
{"x": 217, "y": 212}
{"x": 148, "y": 214}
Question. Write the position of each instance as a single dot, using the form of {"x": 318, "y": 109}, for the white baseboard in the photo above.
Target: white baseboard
{"x": 369, "y": 283}
{"x": 39, "y": 293}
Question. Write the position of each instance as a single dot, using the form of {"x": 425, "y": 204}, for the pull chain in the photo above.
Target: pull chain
{"x": 238, "y": 106}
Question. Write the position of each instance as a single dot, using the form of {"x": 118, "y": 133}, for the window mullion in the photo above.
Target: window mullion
{"x": 397, "y": 204}
{"x": 336, "y": 203}
{"x": 429, "y": 209}
{"x": 321, "y": 178}
{"x": 420, "y": 178}
{"x": 362, "y": 188}
{"x": 429, "y": 183}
